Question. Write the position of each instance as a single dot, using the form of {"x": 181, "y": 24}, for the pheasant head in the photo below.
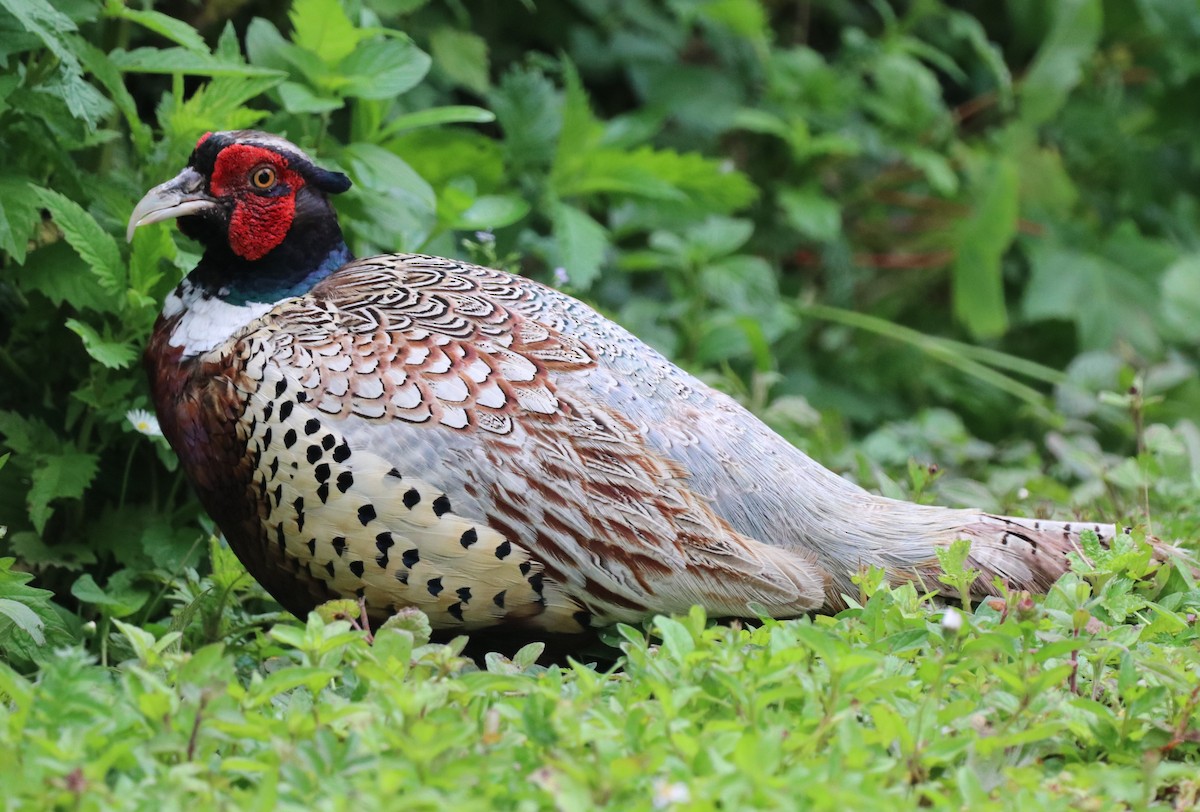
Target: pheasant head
{"x": 245, "y": 192}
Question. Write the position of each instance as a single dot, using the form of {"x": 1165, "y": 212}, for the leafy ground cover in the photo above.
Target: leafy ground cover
{"x": 949, "y": 249}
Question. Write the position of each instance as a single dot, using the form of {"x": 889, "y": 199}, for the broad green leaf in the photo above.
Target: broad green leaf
{"x": 1120, "y": 300}
{"x": 811, "y": 212}
{"x": 394, "y": 206}
{"x": 718, "y": 237}
{"x": 298, "y": 98}
{"x": 90, "y": 241}
{"x": 321, "y": 26}
{"x": 25, "y": 618}
{"x": 1058, "y": 66}
{"x": 1180, "y": 292}
{"x": 581, "y": 243}
{"x": 119, "y": 598}
{"x": 462, "y": 57}
{"x": 383, "y": 69}
{"x": 980, "y": 243}
{"x": 492, "y": 212}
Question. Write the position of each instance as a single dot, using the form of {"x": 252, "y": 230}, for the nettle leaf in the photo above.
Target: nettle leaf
{"x": 581, "y": 243}
{"x": 61, "y": 275}
{"x": 27, "y": 435}
{"x": 58, "y": 476}
{"x": 111, "y": 352}
{"x": 84, "y": 234}
{"x": 527, "y": 107}
{"x": 173, "y": 29}
{"x": 85, "y": 102}
{"x": 321, "y": 26}
{"x": 218, "y": 105}
{"x": 41, "y": 19}
{"x": 580, "y": 131}
{"x": 18, "y": 215}
{"x": 97, "y": 63}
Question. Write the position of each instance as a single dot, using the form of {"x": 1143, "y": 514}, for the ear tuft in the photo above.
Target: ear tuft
{"x": 330, "y": 182}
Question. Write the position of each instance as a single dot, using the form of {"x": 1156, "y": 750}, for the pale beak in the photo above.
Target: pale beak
{"x": 180, "y": 196}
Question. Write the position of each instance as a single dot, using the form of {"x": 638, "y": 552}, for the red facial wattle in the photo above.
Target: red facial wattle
{"x": 259, "y": 222}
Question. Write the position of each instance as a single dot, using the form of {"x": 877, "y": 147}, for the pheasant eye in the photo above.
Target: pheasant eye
{"x": 262, "y": 177}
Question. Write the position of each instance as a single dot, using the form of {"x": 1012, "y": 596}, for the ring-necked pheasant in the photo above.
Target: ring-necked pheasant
{"x": 418, "y": 431}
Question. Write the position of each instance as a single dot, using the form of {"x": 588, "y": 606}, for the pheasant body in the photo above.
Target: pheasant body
{"x": 416, "y": 431}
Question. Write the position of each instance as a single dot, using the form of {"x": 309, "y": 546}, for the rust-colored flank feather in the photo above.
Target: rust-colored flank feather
{"x": 417, "y": 431}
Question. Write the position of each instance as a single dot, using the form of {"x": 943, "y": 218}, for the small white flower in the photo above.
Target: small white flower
{"x": 144, "y": 422}
{"x": 1022, "y": 493}
{"x": 485, "y": 237}
{"x": 561, "y": 277}
{"x": 668, "y": 794}
{"x": 952, "y": 620}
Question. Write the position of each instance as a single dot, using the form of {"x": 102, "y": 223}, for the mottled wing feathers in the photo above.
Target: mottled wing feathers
{"x": 421, "y": 366}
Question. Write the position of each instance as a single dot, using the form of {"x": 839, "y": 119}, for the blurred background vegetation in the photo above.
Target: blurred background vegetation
{"x": 906, "y": 234}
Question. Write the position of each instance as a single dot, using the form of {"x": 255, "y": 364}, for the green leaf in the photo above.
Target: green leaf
{"x": 811, "y": 212}
{"x": 980, "y": 243}
{"x": 527, "y": 107}
{"x": 18, "y": 215}
{"x": 394, "y": 206}
{"x": 119, "y": 599}
{"x": 112, "y": 353}
{"x": 25, "y": 619}
{"x": 383, "y": 69}
{"x": 298, "y": 98}
{"x": 90, "y": 241}
{"x": 581, "y": 243}
{"x": 433, "y": 116}
{"x": 183, "y": 61}
{"x": 173, "y": 29}
{"x": 1058, "y": 66}
{"x": 321, "y": 26}
{"x": 492, "y": 212}
{"x": 462, "y": 57}
{"x": 58, "y": 476}
{"x": 1180, "y": 297}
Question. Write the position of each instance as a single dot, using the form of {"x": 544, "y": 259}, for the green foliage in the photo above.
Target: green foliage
{"x": 842, "y": 216}
{"x": 880, "y": 706}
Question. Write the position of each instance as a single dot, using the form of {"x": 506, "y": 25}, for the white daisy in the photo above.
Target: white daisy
{"x": 144, "y": 422}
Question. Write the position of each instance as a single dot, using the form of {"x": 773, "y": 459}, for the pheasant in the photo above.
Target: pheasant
{"x": 416, "y": 431}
